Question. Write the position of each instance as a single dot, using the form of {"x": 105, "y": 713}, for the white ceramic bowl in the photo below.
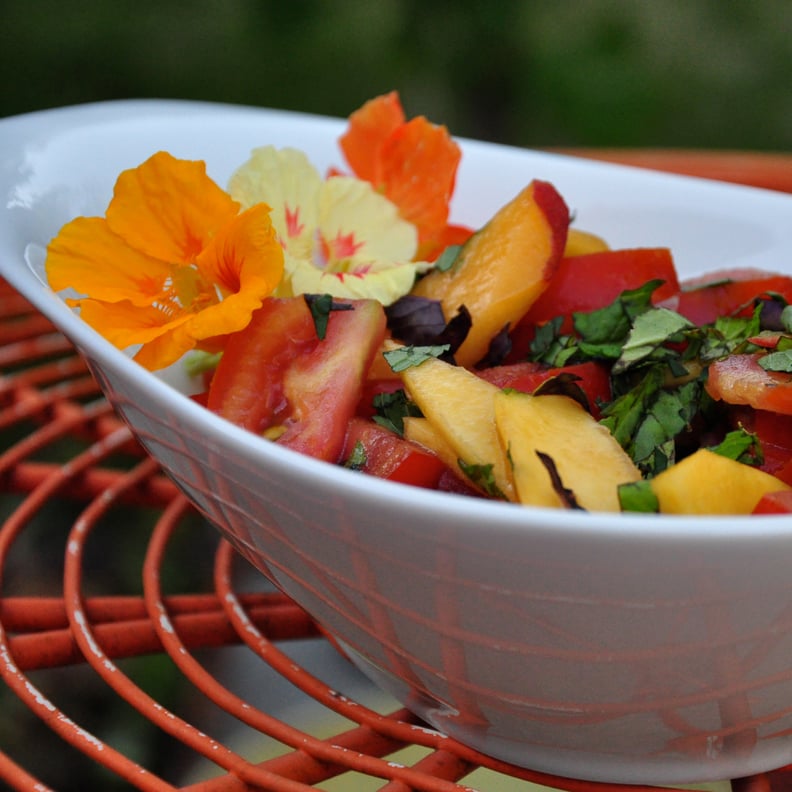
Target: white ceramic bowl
{"x": 620, "y": 648}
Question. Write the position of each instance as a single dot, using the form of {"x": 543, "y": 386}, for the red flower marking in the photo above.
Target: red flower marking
{"x": 293, "y": 225}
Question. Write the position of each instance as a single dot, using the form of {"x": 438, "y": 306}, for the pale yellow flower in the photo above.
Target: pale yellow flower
{"x": 339, "y": 235}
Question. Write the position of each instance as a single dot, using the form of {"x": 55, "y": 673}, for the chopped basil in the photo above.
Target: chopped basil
{"x": 198, "y": 362}
{"x": 650, "y": 331}
{"x": 564, "y": 384}
{"x": 392, "y": 408}
{"x": 321, "y": 305}
{"x": 482, "y": 476}
{"x": 420, "y": 321}
{"x": 409, "y": 356}
{"x": 780, "y": 360}
{"x": 741, "y": 446}
{"x": 448, "y": 258}
{"x": 638, "y": 496}
{"x": 498, "y": 350}
{"x": 566, "y": 495}
{"x": 357, "y": 459}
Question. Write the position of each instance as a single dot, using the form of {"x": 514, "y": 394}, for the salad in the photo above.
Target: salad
{"x": 344, "y": 316}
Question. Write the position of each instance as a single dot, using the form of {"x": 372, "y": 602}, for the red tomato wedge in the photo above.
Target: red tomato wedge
{"x": 585, "y": 283}
{"x": 391, "y": 457}
{"x": 739, "y": 379}
{"x": 774, "y": 432}
{"x": 775, "y": 503}
{"x": 277, "y": 375}
{"x": 728, "y": 292}
{"x": 591, "y": 281}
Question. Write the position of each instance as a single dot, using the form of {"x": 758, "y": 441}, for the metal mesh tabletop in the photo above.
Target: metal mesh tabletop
{"x": 138, "y": 651}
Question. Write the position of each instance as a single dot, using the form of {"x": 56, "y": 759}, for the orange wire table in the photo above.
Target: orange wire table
{"x": 119, "y": 609}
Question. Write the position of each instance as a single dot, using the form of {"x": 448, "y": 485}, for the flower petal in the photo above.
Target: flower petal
{"x": 169, "y": 208}
{"x": 383, "y": 281}
{"x": 369, "y": 128}
{"x": 419, "y": 165}
{"x": 285, "y": 180}
{"x": 88, "y": 257}
{"x": 246, "y": 261}
{"x": 351, "y": 209}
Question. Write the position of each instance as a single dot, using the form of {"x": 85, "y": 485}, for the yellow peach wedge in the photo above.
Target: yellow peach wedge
{"x": 709, "y": 483}
{"x": 577, "y": 450}
{"x": 459, "y": 406}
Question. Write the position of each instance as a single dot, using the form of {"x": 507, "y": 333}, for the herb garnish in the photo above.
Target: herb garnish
{"x": 659, "y": 364}
{"x": 321, "y": 305}
{"x": 392, "y": 408}
{"x": 357, "y": 459}
{"x": 448, "y": 258}
{"x": 481, "y": 476}
{"x": 406, "y": 357}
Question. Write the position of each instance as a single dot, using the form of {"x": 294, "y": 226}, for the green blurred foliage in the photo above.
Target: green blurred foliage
{"x": 693, "y": 73}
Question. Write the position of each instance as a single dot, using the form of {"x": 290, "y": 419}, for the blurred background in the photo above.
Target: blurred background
{"x": 670, "y": 73}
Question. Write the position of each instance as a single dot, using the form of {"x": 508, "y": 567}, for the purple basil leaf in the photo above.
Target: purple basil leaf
{"x": 419, "y": 321}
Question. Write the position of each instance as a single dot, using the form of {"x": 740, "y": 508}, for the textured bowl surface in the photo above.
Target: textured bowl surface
{"x": 610, "y": 647}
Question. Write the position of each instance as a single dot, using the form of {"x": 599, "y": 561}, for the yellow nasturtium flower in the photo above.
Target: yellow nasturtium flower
{"x": 173, "y": 265}
{"x": 339, "y": 235}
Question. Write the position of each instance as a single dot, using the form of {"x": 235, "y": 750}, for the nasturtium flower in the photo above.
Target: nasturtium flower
{"x": 173, "y": 265}
{"x": 412, "y": 163}
{"x": 340, "y": 237}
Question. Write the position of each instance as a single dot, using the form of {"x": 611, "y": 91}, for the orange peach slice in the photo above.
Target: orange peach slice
{"x": 502, "y": 268}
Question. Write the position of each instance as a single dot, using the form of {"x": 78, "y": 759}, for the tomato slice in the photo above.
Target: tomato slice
{"x": 775, "y": 503}
{"x": 594, "y": 280}
{"x": 725, "y": 292}
{"x": 277, "y": 377}
{"x": 774, "y": 432}
{"x": 739, "y": 379}
{"x": 594, "y": 379}
{"x": 391, "y": 457}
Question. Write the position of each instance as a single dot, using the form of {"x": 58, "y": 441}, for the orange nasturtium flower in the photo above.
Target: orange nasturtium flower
{"x": 413, "y": 163}
{"x": 172, "y": 266}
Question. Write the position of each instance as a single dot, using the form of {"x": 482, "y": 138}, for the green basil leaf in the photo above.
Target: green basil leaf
{"x": 777, "y": 361}
{"x": 390, "y": 410}
{"x": 482, "y": 476}
{"x": 742, "y": 446}
{"x": 320, "y": 306}
{"x": 357, "y": 459}
{"x": 638, "y": 496}
{"x": 448, "y": 258}
{"x": 650, "y": 330}
{"x": 409, "y": 356}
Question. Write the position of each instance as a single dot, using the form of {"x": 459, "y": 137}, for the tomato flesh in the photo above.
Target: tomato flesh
{"x": 594, "y": 280}
{"x": 391, "y": 457}
{"x": 277, "y": 374}
{"x": 775, "y": 503}
{"x": 739, "y": 379}
{"x": 728, "y": 292}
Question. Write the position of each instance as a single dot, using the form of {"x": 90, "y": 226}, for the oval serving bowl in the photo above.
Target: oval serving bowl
{"x": 602, "y": 646}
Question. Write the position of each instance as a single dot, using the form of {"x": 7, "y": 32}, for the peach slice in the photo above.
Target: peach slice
{"x": 503, "y": 267}
{"x": 459, "y": 407}
{"x": 586, "y": 457}
{"x": 709, "y": 483}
